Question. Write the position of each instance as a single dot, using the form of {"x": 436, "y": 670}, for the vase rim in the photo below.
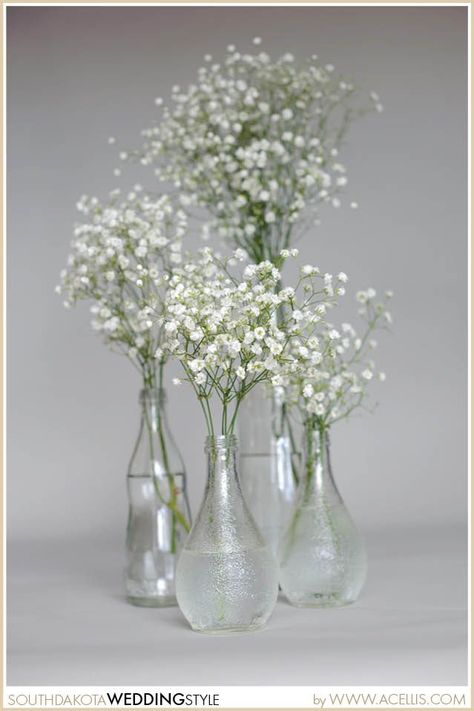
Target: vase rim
{"x": 321, "y": 433}
{"x": 152, "y": 394}
{"x": 221, "y": 442}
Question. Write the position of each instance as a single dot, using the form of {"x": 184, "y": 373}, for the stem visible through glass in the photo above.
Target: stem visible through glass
{"x": 172, "y": 502}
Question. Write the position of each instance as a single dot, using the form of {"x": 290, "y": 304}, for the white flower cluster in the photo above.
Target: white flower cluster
{"x": 255, "y": 142}
{"x": 339, "y": 384}
{"x": 230, "y": 333}
{"x": 122, "y": 255}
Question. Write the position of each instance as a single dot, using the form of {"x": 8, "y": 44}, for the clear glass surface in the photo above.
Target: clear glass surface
{"x": 323, "y": 561}
{"x": 268, "y": 478}
{"x": 159, "y": 517}
{"x": 227, "y": 576}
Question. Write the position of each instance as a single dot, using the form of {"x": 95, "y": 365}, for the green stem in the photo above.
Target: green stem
{"x": 294, "y": 453}
{"x": 171, "y": 503}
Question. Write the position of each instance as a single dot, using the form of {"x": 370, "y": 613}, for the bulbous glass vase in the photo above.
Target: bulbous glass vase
{"x": 158, "y": 517}
{"x": 227, "y": 576}
{"x": 323, "y": 561}
{"x": 266, "y": 461}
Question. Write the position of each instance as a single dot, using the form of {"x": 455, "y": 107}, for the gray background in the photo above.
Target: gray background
{"x": 78, "y": 75}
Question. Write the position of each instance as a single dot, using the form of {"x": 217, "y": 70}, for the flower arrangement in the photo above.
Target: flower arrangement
{"x": 122, "y": 255}
{"x": 339, "y": 384}
{"x": 255, "y": 142}
{"x": 231, "y": 332}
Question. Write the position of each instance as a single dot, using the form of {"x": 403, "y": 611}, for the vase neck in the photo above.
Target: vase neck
{"x": 221, "y": 462}
{"x": 153, "y": 406}
{"x": 155, "y": 451}
{"x": 223, "y": 491}
{"x": 317, "y": 472}
{"x": 262, "y": 419}
{"x": 224, "y": 522}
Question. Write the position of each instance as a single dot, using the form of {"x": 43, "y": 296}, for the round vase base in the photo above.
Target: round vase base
{"x": 319, "y": 600}
{"x": 162, "y": 601}
{"x": 228, "y": 630}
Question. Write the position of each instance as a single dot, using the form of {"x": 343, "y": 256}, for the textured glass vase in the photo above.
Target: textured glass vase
{"x": 323, "y": 561}
{"x": 267, "y": 475}
{"x": 159, "y": 518}
{"x": 227, "y": 577}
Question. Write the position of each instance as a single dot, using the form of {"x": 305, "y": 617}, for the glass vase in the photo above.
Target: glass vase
{"x": 159, "y": 516}
{"x": 227, "y": 576}
{"x": 267, "y": 461}
{"x": 323, "y": 561}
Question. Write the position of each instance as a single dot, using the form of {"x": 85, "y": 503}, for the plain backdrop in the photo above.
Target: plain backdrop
{"x": 78, "y": 75}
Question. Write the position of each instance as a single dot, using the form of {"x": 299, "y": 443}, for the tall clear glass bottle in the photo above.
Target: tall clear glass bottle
{"x": 323, "y": 562}
{"x": 227, "y": 576}
{"x": 159, "y": 516}
{"x": 268, "y": 465}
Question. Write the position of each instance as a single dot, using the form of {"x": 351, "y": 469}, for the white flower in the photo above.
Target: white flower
{"x": 196, "y": 335}
{"x": 337, "y": 370}
{"x": 197, "y": 364}
{"x": 243, "y": 337}
{"x": 240, "y": 254}
{"x": 112, "y": 324}
{"x": 115, "y": 250}
{"x": 279, "y": 107}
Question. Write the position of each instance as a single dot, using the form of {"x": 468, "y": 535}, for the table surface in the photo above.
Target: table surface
{"x": 69, "y": 624}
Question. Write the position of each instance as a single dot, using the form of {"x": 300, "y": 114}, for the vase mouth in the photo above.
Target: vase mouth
{"x": 221, "y": 442}
{"x": 319, "y": 433}
{"x": 152, "y": 395}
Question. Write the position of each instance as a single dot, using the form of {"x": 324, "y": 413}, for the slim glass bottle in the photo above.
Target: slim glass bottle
{"x": 268, "y": 462}
{"x": 159, "y": 516}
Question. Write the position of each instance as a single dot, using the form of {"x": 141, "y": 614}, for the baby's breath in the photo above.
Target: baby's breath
{"x": 121, "y": 257}
{"x": 232, "y": 327}
{"x": 255, "y": 141}
{"x": 339, "y": 384}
